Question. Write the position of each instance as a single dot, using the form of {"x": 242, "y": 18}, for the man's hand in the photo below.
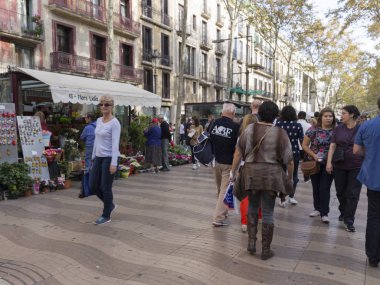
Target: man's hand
{"x": 329, "y": 167}
{"x": 232, "y": 176}
{"x": 113, "y": 169}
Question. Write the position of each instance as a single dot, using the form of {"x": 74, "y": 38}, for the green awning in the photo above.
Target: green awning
{"x": 237, "y": 90}
{"x": 255, "y": 92}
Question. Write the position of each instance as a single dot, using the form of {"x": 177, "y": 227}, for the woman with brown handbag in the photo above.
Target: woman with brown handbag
{"x": 316, "y": 145}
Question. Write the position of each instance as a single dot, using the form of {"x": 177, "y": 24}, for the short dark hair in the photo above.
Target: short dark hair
{"x": 288, "y": 113}
{"x": 196, "y": 121}
{"x": 352, "y": 109}
{"x": 326, "y": 110}
{"x": 268, "y": 111}
{"x": 90, "y": 116}
{"x": 316, "y": 114}
{"x": 378, "y": 102}
{"x": 301, "y": 115}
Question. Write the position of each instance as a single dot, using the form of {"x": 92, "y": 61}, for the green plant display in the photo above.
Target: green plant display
{"x": 136, "y": 132}
{"x": 14, "y": 177}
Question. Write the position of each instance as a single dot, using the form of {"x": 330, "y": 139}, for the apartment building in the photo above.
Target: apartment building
{"x": 71, "y": 36}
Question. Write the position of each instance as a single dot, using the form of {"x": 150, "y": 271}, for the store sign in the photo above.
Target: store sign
{"x": 8, "y": 133}
{"x": 32, "y": 144}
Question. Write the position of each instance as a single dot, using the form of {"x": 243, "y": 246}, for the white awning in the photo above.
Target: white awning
{"x": 83, "y": 90}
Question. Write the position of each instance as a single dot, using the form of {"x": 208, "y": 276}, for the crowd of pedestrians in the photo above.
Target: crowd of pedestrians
{"x": 269, "y": 145}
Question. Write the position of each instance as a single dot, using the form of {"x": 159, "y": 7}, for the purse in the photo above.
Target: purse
{"x": 338, "y": 155}
{"x": 310, "y": 167}
{"x": 239, "y": 187}
{"x": 288, "y": 185}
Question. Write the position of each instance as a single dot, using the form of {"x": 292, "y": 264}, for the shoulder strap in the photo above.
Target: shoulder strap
{"x": 257, "y": 146}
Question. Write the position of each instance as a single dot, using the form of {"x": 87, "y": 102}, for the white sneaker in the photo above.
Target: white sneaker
{"x": 281, "y": 204}
{"x": 325, "y": 219}
{"x": 244, "y": 228}
{"x": 292, "y": 201}
{"x": 198, "y": 165}
{"x": 194, "y": 166}
{"x": 315, "y": 213}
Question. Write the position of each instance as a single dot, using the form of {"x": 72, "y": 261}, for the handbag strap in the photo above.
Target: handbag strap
{"x": 257, "y": 146}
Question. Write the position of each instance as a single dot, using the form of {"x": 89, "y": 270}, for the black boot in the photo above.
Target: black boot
{"x": 267, "y": 236}
{"x": 252, "y": 232}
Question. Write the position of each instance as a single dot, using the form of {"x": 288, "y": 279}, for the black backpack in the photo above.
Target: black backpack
{"x": 203, "y": 150}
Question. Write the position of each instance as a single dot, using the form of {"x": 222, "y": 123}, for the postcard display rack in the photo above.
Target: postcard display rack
{"x": 32, "y": 144}
{"x": 8, "y": 133}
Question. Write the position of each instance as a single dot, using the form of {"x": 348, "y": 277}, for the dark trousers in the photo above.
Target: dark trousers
{"x": 372, "y": 235}
{"x": 101, "y": 183}
{"x": 296, "y": 160}
{"x": 321, "y": 183}
{"x": 182, "y": 139}
{"x": 192, "y": 155}
{"x": 348, "y": 193}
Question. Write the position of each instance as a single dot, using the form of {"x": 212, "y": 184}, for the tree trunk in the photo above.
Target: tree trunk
{"x": 110, "y": 39}
{"x": 181, "y": 83}
{"x": 229, "y": 58}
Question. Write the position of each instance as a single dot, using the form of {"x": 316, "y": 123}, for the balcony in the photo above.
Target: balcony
{"x": 219, "y": 80}
{"x": 147, "y": 55}
{"x": 156, "y": 17}
{"x": 220, "y": 49}
{"x": 206, "y": 12}
{"x": 21, "y": 27}
{"x": 84, "y": 8}
{"x": 205, "y": 43}
{"x": 205, "y": 78}
{"x": 220, "y": 21}
{"x": 126, "y": 24}
{"x": 189, "y": 71}
{"x": 61, "y": 61}
{"x": 179, "y": 29}
{"x": 166, "y": 60}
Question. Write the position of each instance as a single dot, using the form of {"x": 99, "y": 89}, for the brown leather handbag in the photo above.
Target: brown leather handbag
{"x": 310, "y": 167}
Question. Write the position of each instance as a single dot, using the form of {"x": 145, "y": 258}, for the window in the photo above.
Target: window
{"x": 127, "y": 55}
{"x": 218, "y": 70}
{"x": 64, "y": 39}
{"x": 204, "y": 32}
{"x": 194, "y": 22}
{"x": 166, "y": 85}
{"x": 165, "y": 47}
{"x": 147, "y": 43}
{"x": 125, "y": 9}
{"x": 147, "y": 8}
{"x": 217, "y": 93}
{"x": 260, "y": 85}
{"x": 204, "y": 66}
{"x": 189, "y": 59}
{"x": 165, "y": 7}
{"x": 204, "y": 94}
{"x": 24, "y": 57}
{"x": 241, "y": 50}
{"x": 255, "y": 86}
{"x": 195, "y": 87}
{"x": 98, "y": 47}
{"x": 148, "y": 79}
{"x": 180, "y": 13}
{"x": 240, "y": 75}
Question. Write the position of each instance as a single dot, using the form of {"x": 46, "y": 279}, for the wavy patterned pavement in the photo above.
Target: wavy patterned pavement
{"x": 161, "y": 233}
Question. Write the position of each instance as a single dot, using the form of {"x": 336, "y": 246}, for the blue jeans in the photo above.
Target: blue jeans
{"x": 372, "y": 235}
{"x": 165, "y": 157}
{"x": 101, "y": 183}
{"x": 321, "y": 183}
{"x": 265, "y": 200}
{"x": 87, "y": 158}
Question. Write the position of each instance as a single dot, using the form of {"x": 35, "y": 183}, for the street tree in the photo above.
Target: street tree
{"x": 234, "y": 8}
{"x": 271, "y": 19}
{"x": 182, "y": 62}
{"x": 110, "y": 34}
{"x": 365, "y": 12}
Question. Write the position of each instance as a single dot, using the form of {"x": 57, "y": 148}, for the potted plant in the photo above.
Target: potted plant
{"x": 15, "y": 178}
{"x": 65, "y": 170}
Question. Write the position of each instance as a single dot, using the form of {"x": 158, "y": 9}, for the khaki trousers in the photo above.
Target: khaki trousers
{"x": 222, "y": 178}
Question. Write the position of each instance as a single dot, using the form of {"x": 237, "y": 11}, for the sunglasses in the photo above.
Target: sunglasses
{"x": 105, "y": 105}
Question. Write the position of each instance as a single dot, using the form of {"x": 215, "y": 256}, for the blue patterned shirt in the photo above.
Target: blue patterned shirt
{"x": 295, "y": 133}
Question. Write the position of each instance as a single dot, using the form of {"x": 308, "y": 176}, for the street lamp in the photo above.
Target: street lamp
{"x": 155, "y": 56}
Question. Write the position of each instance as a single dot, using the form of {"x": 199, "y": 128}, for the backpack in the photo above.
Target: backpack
{"x": 203, "y": 150}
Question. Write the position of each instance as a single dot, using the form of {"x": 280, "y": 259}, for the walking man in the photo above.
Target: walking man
{"x": 224, "y": 134}
{"x": 367, "y": 143}
{"x": 165, "y": 140}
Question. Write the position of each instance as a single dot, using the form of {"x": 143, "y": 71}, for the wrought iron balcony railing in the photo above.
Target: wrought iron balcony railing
{"x": 83, "y": 7}
{"x": 22, "y": 25}
{"x": 155, "y": 15}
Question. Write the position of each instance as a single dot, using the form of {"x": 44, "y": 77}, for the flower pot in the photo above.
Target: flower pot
{"x": 46, "y": 190}
{"x": 28, "y": 193}
{"x": 67, "y": 184}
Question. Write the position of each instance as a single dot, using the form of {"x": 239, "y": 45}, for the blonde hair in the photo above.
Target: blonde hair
{"x": 106, "y": 98}
{"x": 41, "y": 115}
{"x": 247, "y": 120}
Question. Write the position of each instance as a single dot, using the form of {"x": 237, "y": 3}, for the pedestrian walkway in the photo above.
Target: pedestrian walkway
{"x": 161, "y": 233}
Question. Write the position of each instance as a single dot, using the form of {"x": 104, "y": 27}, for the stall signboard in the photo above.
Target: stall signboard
{"x": 32, "y": 144}
{"x": 8, "y": 133}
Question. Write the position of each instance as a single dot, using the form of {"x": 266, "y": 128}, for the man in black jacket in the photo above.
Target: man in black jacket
{"x": 165, "y": 140}
{"x": 224, "y": 134}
